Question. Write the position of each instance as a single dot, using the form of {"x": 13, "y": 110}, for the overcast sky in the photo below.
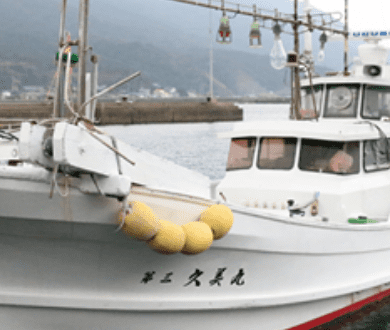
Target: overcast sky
{"x": 370, "y": 14}
{"x": 193, "y": 20}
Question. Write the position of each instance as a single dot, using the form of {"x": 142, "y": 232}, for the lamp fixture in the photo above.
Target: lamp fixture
{"x": 224, "y": 34}
{"x": 278, "y": 54}
{"x": 323, "y": 40}
{"x": 292, "y": 59}
{"x": 254, "y": 34}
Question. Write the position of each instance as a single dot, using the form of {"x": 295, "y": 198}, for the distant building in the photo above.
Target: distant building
{"x": 192, "y": 94}
{"x": 34, "y": 89}
{"x": 159, "y": 92}
{"x": 144, "y": 92}
{"x": 6, "y": 95}
{"x": 33, "y": 93}
{"x": 173, "y": 91}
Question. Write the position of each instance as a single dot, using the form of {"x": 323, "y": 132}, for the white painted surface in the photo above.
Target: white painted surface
{"x": 77, "y": 270}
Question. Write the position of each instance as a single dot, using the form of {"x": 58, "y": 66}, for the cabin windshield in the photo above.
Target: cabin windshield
{"x": 276, "y": 153}
{"x": 376, "y": 103}
{"x": 341, "y": 101}
{"x": 376, "y": 155}
{"x": 329, "y": 156}
{"x": 307, "y": 106}
{"x": 241, "y": 153}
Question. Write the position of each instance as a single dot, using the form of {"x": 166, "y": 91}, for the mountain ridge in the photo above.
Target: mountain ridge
{"x": 166, "y": 56}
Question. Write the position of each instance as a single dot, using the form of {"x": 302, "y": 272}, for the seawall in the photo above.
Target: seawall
{"x": 125, "y": 113}
{"x": 166, "y": 112}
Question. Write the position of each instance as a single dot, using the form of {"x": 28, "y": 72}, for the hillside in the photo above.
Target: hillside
{"x": 166, "y": 56}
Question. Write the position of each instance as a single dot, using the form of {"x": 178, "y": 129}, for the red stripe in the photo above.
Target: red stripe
{"x": 334, "y": 315}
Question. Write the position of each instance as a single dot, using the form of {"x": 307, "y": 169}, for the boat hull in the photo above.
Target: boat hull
{"x": 75, "y": 270}
{"x": 96, "y": 278}
{"x": 43, "y": 318}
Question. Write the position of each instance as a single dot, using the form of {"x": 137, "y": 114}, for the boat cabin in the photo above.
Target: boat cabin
{"x": 362, "y": 94}
{"x": 278, "y": 166}
{"x": 344, "y": 98}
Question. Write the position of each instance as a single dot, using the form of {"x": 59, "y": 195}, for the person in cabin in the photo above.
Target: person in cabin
{"x": 341, "y": 162}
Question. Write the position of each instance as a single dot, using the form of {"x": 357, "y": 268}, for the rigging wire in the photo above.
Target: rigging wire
{"x": 8, "y": 135}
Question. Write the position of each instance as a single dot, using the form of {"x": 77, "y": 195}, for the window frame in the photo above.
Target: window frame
{"x": 330, "y": 172}
{"x": 321, "y": 100}
{"x": 364, "y": 86}
{"x": 364, "y": 158}
{"x": 255, "y": 138}
{"x": 276, "y": 137}
{"x": 356, "y": 110}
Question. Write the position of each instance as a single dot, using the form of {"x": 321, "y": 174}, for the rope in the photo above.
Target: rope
{"x": 125, "y": 211}
{"x": 57, "y": 188}
{"x": 8, "y": 135}
{"x": 96, "y": 184}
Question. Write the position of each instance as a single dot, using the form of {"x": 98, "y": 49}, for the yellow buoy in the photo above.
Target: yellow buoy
{"x": 199, "y": 237}
{"x": 140, "y": 223}
{"x": 169, "y": 239}
{"x": 220, "y": 219}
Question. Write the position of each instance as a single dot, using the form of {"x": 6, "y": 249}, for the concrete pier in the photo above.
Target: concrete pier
{"x": 125, "y": 113}
{"x": 167, "y": 112}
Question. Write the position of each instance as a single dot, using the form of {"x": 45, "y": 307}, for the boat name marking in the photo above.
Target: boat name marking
{"x": 194, "y": 278}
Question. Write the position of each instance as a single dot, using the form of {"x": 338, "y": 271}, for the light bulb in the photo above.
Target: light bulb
{"x": 321, "y": 55}
{"x": 278, "y": 54}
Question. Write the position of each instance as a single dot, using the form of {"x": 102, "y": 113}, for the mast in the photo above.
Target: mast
{"x": 297, "y": 85}
{"x": 83, "y": 48}
{"x": 346, "y": 38}
{"x": 211, "y": 55}
{"x": 308, "y": 48}
{"x": 59, "y": 96}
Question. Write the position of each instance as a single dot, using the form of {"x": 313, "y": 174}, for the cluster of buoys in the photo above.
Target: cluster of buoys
{"x": 168, "y": 238}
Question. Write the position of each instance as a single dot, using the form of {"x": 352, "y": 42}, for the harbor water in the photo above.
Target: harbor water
{"x": 194, "y": 145}
{"x": 197, "y": 147}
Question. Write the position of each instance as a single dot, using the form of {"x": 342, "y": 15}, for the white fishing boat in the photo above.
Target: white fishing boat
{"x": 95, "y": 234}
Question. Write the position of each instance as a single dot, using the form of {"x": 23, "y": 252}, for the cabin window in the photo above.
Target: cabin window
{"x": 341, "y": 101}
{"x": 376, "y": 155}
{"x": 376, "y": 102}
{"x": 241, "y": 153}
{"x": 276, "y": 153}
{"x": 307, "y": 106}
{"x": 329, "y": 156}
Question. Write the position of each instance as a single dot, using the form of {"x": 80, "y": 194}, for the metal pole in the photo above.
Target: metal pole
{"x": 292, "y": 103}
{"x": 308, "y": 49}
{"x": 297, "y": 87}
{"x": 59, "y": 82}
{"x": 109, "y": 89}
{"x": 94, "y": 60}
{"x": 83, "y": 45}
{"x": 62, "y": 23}
{"x": 88, "y": 95}
{"x": 346, "y": 38}
{"x": 61, "y": 99}
{"x": 211, "y": 55}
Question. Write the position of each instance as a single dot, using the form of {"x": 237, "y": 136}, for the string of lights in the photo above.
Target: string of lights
{"x": 278, "y": 22}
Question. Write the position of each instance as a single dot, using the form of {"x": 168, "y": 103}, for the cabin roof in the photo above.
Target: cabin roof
{"x": 334, "y": 130}
{"x": 339, "y": 78}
